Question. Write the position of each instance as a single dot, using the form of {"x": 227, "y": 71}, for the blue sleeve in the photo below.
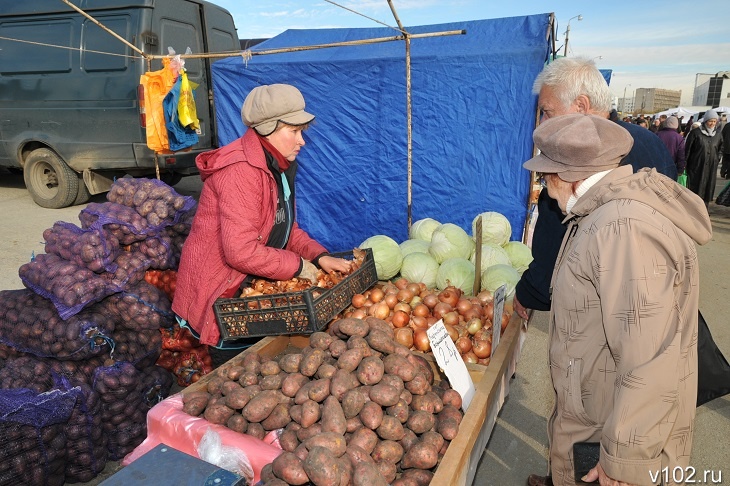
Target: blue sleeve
{"x": 533, "y": 289}
{"x": 648, "y": 151}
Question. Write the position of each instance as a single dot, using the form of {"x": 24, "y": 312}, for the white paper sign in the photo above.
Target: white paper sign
{"x": 451, "y": 362}
{"x": 497, "y": 317}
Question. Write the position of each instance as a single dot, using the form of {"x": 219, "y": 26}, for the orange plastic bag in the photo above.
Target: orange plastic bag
{"x": 156, "y": 85}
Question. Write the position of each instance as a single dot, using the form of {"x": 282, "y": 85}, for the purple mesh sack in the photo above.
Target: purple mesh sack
{"x": 123, "y": 415}
{"x": 70, "y": 286}
{"x": 31, "y": 431}
{"x": 30, "y": 323}
{"x": 131, "y": 266}
{"x": 86, "y": 443}
{"x": 141, "y": 347}
{"x": 154, "y": 200}
{"x": 123, "y": 222}
{"x": 140, "y": 306}
{"x": 91, "y": 248}
{"x": 160, "y": 250}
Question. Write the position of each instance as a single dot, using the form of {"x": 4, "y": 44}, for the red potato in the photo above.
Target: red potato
{"x": 399, "y": 366}
{"x": 400, "y": 411}
{"x": 353, "y": 327}
{"x": 320, "y": 340}
{"x": 331, "y": 441}
{"x": 380, "y": 341}
{"x": 333, "y": 417}
{"x": 311, "y": 413}
{"x": 290, "y": 362}
{"x": 311, "y": 361}
{"x": 337, "y": 347}
{"x": 380, "y": 325}
{"x": 261, "y": 405}
{"x": 291, "y": 384}
{"x": 370, "y": 370}
{"x": 322, "y": 467}
{"x": 364, "y": 438}
{"x": 319, "y": 390}
{"x": 357, "y": 454}
{"x": 390, "y": 428}
{"x": 384, "y": 395}
{"x": 353, "y": 401}
{"x": 350, "y": 359}
{"x": 371, "y": 415}
{"x": 421, "y": 421}
{"x": 366, "y": 474}
{"x": 288, "y": 467}
{"x": 387, "y": 450}
{"x": 421, "y": 455}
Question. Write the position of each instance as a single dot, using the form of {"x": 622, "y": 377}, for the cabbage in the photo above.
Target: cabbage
{"x": 497, "y": 275}
{"x": 423, "y": 229}
{"x": 495, "y": 228}
{"x": 386, "y": 254}
{"x": 458, "y": 272}
{"x": 519, "y": 255}
{"x": 420, "y": 267}
{"x": 450, "y": 241}
{"x": 412, "y": 246}
{"x": 491, "y": 255}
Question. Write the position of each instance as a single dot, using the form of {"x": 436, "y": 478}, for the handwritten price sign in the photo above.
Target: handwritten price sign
{"x": 449, "y": 360}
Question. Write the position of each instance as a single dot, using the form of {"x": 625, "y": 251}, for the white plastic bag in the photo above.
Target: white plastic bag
{"x": 232, "y": 459}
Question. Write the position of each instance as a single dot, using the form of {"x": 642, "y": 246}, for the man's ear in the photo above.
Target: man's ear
{"x": 583, "y": 104}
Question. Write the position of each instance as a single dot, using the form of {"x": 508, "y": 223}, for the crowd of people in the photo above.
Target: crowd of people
{"x": 698, "y": 147}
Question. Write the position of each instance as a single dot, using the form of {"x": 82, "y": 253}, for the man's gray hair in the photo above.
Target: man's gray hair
{"x": 570, "y": 77}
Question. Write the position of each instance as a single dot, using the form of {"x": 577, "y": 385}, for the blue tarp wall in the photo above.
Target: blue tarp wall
{"x": 473, "y": 116}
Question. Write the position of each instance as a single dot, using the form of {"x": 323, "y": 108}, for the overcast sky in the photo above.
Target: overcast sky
{"x": 647, "y": 44}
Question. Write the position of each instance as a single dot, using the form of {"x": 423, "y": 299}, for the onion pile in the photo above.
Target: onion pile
{"x": 411, "y": 308}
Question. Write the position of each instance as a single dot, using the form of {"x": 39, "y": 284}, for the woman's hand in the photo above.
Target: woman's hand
{"x": 332, "y": 264}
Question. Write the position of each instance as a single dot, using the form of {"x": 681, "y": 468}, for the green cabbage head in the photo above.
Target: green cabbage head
{"x": 495, "y": 228}
{"x": 423, "y": 229}
{"x": 420, "y": 267}
{"x": 450, "y": 241}
{"x": 412, "y": 246}
{"x": 491, "y": 255}
{"x": 497, "y": 275}
{"x": 519, "y": 254}
{"x": 458, "y": 272}
{"x": 386, "y": 254}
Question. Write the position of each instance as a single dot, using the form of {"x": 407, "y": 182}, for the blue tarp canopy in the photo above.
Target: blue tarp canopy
{"x": 473, "y": 114}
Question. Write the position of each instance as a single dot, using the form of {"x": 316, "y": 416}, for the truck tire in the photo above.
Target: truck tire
{"x": 82, "y": 195}
{"x": 51, "y": 183}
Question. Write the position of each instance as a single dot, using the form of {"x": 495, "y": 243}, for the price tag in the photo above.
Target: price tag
{"x": 450, "y": 361}
{"x": 497, "y": 317}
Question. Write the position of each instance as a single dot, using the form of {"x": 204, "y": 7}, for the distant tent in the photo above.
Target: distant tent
{"x": 607, "y": 73}
{"x": 473, "y": 117}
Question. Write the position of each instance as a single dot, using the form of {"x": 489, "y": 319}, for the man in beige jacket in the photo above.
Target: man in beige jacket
{"x": 625, "y": 294}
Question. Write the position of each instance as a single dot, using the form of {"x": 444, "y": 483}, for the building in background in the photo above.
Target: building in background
{"x": 712, "y": 89}
{"x": 625, "y": 105}
{"x": 654, "y": 100}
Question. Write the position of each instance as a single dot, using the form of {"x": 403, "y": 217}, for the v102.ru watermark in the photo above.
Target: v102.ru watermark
{"x": 685, "y": 475}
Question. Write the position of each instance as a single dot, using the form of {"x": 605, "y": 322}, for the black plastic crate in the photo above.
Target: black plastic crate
{"x": 302, "y": 312}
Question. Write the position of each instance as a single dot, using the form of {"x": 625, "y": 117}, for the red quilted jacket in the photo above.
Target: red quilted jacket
{"x": 228, "y": 237}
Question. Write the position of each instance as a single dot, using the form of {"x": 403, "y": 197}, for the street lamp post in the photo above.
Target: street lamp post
{"x": 623, "y": 102}
{"x": 567, "y": 33}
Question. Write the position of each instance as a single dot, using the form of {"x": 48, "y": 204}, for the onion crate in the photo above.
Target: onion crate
{"x": 301, "y": 312}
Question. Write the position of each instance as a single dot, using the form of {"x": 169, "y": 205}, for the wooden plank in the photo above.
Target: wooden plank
{"x": 458, "y": 466}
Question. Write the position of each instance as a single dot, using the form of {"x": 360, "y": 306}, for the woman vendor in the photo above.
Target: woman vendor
{"x": 246, "y": 222}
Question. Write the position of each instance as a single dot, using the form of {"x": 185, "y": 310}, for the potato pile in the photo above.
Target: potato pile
{"x": 353, "y": 407}
{"x": 152, "y": 199}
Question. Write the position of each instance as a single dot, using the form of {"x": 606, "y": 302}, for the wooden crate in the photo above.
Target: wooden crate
{"x": 458, "y": 466}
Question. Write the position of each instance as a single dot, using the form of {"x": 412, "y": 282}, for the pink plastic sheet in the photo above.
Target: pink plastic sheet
{"x": 168, "y": 424}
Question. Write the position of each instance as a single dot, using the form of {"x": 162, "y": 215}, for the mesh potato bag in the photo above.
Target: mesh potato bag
{"x": 30, "y": 323}
{"x": 32, "y": 435}
{"x": 92, "y": 248}
{"x": 154, "y": 200}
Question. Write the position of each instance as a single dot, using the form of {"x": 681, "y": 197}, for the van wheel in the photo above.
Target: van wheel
{"x": 82, "y": 195}
{"x": 171, "y": 178}
{"x": 51, "y": 183}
